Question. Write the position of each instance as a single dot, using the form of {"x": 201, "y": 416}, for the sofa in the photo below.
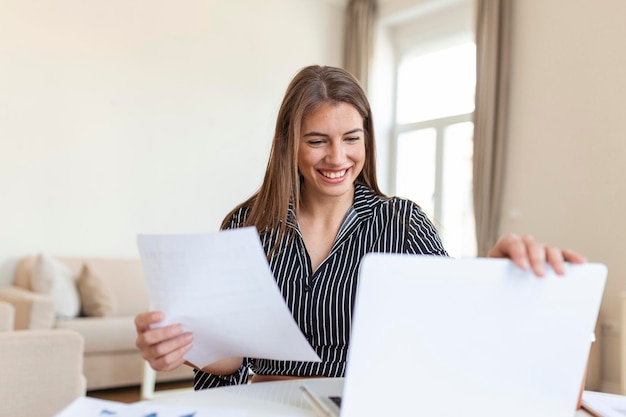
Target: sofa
{"x": 7, "y": 317}
{"x": 95, "y": 297}
{"x": 27, "y": 368}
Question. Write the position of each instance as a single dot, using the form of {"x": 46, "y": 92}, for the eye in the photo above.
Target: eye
{"x": 315, "y": 142}
{"x": 353, "y": 139}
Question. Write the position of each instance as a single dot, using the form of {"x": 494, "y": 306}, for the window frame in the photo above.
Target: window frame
{"x": 439, "y": 125}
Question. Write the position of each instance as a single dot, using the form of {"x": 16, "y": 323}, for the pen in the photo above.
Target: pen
{"x": 315, "y": 401}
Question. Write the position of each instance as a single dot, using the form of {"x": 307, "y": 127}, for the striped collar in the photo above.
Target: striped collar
{"x": 363, "y": 206}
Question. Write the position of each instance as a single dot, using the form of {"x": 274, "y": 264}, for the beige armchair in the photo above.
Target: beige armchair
{"x": 42, "y": 370}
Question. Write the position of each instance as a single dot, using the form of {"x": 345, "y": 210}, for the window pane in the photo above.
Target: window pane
{"x": 415, "y": 175}
{"x": 436, "y": 85}
{"x": 457, "y": 214}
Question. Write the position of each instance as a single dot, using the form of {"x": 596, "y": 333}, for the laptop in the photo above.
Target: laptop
{"x": 436, "y": 336}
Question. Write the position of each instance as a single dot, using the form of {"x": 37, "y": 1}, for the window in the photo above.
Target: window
{"x": 434, "y": 140}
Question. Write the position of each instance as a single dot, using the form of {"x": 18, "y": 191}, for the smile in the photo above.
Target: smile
{"x": 334, "y": 174}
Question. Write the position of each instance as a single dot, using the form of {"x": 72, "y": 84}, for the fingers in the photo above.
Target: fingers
{"x": 513, "y": 247}
{"x": 158, "y": 335}
{"x": 169, "y": 354}
{"x": 536, "y": 254}
{"x": 143, "y": 321}
{"x": 574, "y": 257}
{"x": 555, "y": 258}
{"x": 527, "y": 253}
{"x": 163, "y": 347}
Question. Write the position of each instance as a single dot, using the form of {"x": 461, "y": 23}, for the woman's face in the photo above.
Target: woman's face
{"x": 331, "y": 154}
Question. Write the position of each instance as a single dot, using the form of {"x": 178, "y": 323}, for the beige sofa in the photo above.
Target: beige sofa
{"x": 27, "y": 368}
{"x": 110, "y": 292}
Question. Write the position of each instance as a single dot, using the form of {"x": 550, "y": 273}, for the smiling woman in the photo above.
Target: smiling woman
{"x": 331, "y": 155}
{"x": 318, "y": 212}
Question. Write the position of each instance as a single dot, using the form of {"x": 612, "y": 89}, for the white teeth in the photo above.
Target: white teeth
{"x": 334, "y": 174}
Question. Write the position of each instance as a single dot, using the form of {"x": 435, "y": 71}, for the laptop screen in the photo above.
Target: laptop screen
{"x": 442, "y": 336}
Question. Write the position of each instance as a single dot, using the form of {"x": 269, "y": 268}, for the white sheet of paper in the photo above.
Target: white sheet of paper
{"x": 220, "y": 287}
{"x": 95, "y": 407}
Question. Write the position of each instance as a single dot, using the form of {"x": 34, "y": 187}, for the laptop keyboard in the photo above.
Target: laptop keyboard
{"x": 336, "y": 400}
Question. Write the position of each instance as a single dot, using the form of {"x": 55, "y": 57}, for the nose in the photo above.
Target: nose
{"x": 336, "y": 153}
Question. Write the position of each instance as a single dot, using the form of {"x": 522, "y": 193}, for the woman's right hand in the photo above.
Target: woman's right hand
{"x": 163, "y": 347}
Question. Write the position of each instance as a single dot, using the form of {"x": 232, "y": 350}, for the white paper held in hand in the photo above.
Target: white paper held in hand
{"x": 220, "y": 287}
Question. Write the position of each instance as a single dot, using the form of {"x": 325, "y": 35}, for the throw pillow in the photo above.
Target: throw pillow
{"x": 95, "y": 294}
{"x": 52, "y": 277}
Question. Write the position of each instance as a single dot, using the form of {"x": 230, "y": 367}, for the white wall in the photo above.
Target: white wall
{"x": 567, "y": 130}
{"x": 123, "y": 117}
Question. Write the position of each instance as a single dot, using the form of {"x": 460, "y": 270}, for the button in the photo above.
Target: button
{"x": 308, "y": 288}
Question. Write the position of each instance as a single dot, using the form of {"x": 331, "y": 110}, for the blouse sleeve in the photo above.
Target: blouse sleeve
{"x": 422, "y": 237}
{"x": 204, "y": 380}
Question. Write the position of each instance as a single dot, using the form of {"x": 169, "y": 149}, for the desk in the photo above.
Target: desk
{"x": 261, "y": 399}
{"x": 265, "y": 399}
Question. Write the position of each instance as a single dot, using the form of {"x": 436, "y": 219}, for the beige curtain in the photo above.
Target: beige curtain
{"x": 493, "y": 24}
{"x": 358, "y": 43}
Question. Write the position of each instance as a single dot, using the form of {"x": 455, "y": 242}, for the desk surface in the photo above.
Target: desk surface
{"x": 259, "y": 399}
{"x": 265, "y": 399}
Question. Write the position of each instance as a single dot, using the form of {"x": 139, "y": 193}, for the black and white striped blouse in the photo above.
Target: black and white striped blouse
{"x": 322, "y": 302}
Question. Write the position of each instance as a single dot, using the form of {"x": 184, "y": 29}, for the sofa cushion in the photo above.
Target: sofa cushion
{"x": 104, "y": 335}
{"x": 125, "y": 278}
{"x": 96, "y": 297}
{"x": 23, "y": 271}
{"x": 53, "y": 277}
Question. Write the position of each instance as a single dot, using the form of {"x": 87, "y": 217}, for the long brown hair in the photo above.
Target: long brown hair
{"x": 312, "y": 86}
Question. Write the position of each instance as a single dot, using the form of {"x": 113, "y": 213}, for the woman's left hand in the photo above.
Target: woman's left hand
{"x": 526, "y": 253}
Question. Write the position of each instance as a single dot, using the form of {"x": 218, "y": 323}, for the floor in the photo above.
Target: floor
{"x": 133, "y": 394}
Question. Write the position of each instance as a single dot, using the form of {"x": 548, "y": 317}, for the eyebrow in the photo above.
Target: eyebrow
{"x": 349, "y": 132}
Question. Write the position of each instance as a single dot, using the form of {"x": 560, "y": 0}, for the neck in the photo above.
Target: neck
{"x": 324, "y": 208}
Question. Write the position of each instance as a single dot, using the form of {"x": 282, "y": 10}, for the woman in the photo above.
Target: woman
{"x": 318, "y": 212}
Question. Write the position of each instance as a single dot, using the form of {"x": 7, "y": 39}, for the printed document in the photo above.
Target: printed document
{"x": 95, "y": 407}
{"x": 220, "y": 287}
